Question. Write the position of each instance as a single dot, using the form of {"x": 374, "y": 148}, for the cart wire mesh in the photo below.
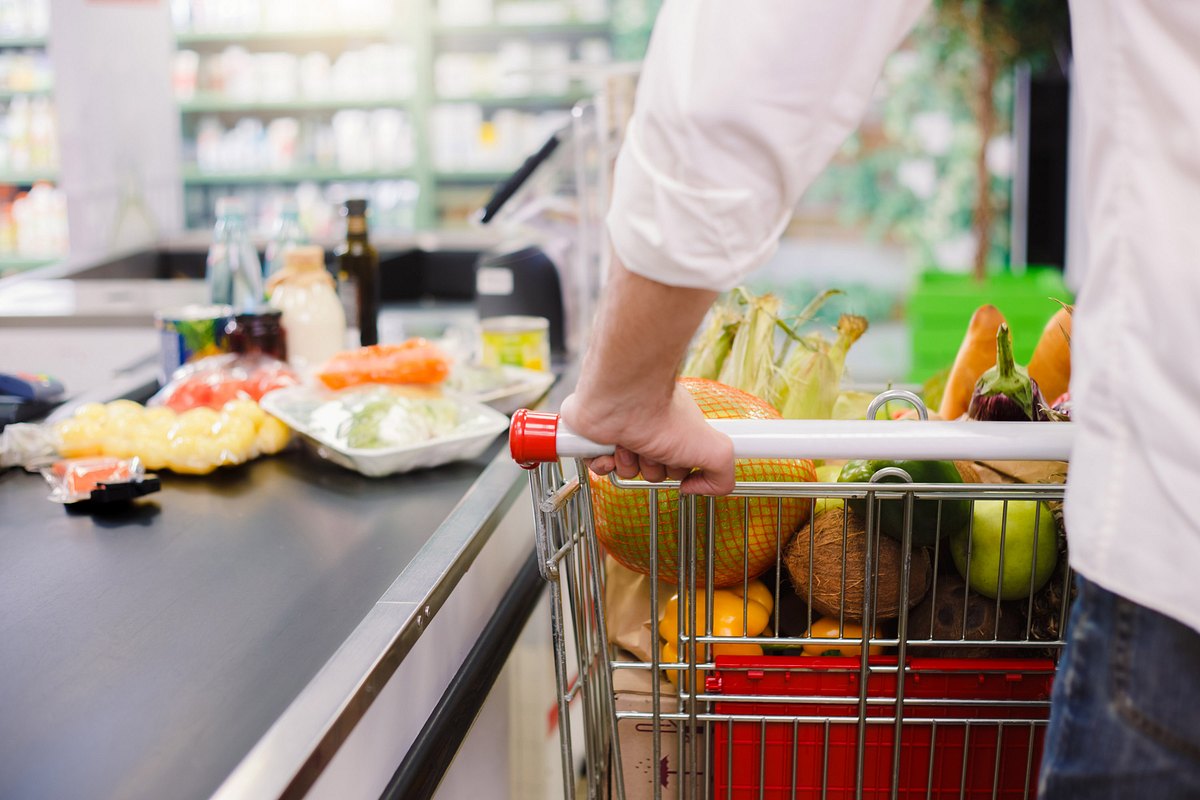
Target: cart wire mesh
{"x": 911, "y": 685}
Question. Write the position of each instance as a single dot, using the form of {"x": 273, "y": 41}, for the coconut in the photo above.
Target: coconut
{"x": 823, "y": 542}
{"x": 952, "y": 612}
{"x": 1048, "y": 602}
{"x": 793, "y": 611}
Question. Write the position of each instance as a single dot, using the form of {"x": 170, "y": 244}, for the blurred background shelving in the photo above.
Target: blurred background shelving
{"x": 33, "y": 216}
{"x": 422, "y": 104}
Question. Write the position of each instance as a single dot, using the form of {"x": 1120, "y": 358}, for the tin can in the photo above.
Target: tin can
{"x": 189, "y": 333}
{"x": 516, "y": 341}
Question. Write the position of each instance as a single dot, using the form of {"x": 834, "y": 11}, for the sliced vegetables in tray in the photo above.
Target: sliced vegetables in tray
{"x": 381, "y": 430}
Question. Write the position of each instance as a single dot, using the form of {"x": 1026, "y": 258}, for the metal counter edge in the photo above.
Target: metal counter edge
{"x": 291, "y": 755}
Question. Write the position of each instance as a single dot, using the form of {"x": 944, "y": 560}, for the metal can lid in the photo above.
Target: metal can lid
{"x": 514, "y": 324}
{"x": 193, "y": 313}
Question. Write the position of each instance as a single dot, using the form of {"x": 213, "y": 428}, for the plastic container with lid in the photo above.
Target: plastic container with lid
{"x": 312, "y": 314}
{"x": 516, "y": 341}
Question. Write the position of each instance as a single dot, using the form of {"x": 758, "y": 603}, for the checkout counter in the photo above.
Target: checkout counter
{"x": 286, "y": 628}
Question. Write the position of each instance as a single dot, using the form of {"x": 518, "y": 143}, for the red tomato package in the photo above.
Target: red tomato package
{"x": 411, "y": 361}
{"x": 214, "y": 381}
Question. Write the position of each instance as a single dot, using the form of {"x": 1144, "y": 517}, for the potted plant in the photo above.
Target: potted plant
{"x": 1002, "y": 34}
{"x": 993, "y": 37}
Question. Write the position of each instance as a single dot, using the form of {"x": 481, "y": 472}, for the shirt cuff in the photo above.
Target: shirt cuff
{"x": 680, "y": 235}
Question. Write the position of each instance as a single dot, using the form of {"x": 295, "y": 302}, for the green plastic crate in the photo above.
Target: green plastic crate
{"x": 941, "y": 305}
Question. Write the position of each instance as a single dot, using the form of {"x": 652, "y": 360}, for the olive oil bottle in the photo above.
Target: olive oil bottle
{"x": 358, "y": 274}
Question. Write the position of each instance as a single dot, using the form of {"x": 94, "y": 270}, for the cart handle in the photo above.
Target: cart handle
{"x": 537, "y": 437}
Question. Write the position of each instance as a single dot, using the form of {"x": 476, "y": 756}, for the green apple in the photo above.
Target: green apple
{"x": 1030, "y": 548}
{"x": 828, "y": 474}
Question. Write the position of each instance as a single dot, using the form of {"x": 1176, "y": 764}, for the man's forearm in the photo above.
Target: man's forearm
{"x": 627, "y": 395}
{"x": 642, "y": 332}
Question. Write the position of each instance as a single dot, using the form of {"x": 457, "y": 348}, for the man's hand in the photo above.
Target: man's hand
{"x": 627, "y": 395}
{"x": 659, "y": 441}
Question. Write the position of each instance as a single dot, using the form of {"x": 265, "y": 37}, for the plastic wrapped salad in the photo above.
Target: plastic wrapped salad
{"x": 382, "y": 418}
{"x": 379, "y": 430}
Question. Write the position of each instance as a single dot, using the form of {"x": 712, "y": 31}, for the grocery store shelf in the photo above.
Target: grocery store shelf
{"x": 473, "y": 177}
{"x": 219, "y": 103}
{"x": 17, "y": 263}
{"x": 8, "y": 94}
{"x": 226, "y": 37}
{"x": 197, "y": 240}
{"x": 521, "y": 101}
{"x": 498, "y": 30}
{"x": 27, "y": 178}
{"x": 23, "y": 41}
{"x": 194, "y": 177}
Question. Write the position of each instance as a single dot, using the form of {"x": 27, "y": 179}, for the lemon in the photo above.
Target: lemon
{"x": 153, "y": 450}
{"x": 236, "y": 436}
{"x": 196, "y": 422}
{"x": 92, "y": 411}
{"x": 246, "y": 409}
{"x": 273, "y": 436}
{"x": 120, "y": 433}
{"x": 190, "y": 454}
{"x": 159, "y": 418}
{"x": 120, "y": 444}
{"x": 78, "y": 437}
{"x": 120, "y": 408}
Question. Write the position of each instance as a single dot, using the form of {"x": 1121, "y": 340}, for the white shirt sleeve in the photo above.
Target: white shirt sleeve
{"x": 740, "y": 105}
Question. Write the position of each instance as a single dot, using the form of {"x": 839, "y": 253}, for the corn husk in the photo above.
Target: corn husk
{"x": 812, "y": 372}
{"x": 740, "y": 345}
{"x": 711, "y": 348}
{"x": 750, "y": 364}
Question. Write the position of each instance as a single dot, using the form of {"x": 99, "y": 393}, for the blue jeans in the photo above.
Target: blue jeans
{"x": 1125, "y": 719}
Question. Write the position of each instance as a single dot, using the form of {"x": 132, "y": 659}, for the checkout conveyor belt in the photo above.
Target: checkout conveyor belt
{"x": 145, "y": 654}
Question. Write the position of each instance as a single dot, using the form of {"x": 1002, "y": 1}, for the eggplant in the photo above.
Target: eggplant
{"x": 1059, "y": 412}
{"x": 1006, "y": 393}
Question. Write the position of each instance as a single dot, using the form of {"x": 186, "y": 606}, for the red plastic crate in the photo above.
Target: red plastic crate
{"x": 932, "y": 762}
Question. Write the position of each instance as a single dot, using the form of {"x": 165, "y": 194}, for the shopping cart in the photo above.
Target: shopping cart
{"x": 933, "y": 701}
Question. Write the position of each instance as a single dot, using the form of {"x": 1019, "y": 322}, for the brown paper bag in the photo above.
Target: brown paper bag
{"x": 633, "y": 692}
{"x": 627, "y": 609}
{"x": 1022, "y": 471}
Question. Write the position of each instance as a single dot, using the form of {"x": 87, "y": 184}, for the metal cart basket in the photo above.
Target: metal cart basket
{"x": 911, "y": 685}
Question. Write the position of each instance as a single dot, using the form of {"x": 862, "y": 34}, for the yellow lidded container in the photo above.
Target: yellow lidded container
{"x": 516, "y": 341}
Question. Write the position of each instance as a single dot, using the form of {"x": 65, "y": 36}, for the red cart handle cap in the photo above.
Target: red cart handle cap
{"x": 533, "y": 437}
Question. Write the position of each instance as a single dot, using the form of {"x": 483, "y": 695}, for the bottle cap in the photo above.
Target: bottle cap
{"x": 304, "y": 258}
{"x": 356, "y": 207}
{"x": 229, "y": 207}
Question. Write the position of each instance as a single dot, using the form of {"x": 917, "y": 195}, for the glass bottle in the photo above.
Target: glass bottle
{"x": 232, "y": 272}
{"x": 288, "y": 234}
{"x": 358, "y": 273}
{"x": 312, "y": 316}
